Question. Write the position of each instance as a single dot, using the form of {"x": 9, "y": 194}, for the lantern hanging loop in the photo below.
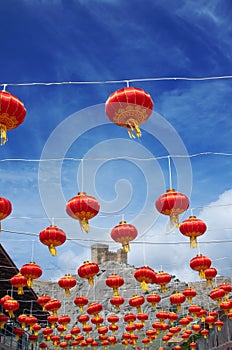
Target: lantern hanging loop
{"x": 170, "y": 172}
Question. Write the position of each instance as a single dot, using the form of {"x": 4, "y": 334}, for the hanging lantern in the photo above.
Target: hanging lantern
{"x": 201, "y": 314}
{"x": 21, "y": 319}
{"x": 5, "y": 298}
{"x": 129, "y": 318}
{"x": 5, "y": 204}
{"x": 162, "y": 315}
{"x": 219, "y": 324}
{"x": 97, "y": 320}
{"x": 52, "y": 237}
{"x": 200, "y": 263}
{"x": 83, "y": 208}
{"x": 113, "y": 319}
{"x": 210, "y": 320}
{"x": 36, "y": 328}
{"x": 30, "y": 321}
{"x": 175, "y": 330}
{"x": 64, "y": 320}
{"x": 217, "y": 294}
{"x": 189, "y": 293}
{"x": 81, "y": 301}
{"x": 112, "y": 340}
{"x": 157, "y": 326}
{"x": 18, "y": 332}
{"x": 68, "y": 337}
{"x": 19, "y": 281}
{"x": 227, "y": 288}
{"x": 94, "y": 309}
{"x": 116, "y": 301}
{"x": 162, "y": 278}
{"x": 33, "y": 338}
{"x": 3, "y": 319}
{"x": 194, "y": 309}
{"x": 144, "y": 275}
{"x": 193, "y": 345}
{"x": 153, "y": 299}
{"x": 83, "y": 319}
{"x": 52, "y": 319}
{"x": 61, "y": 329}
{"x": 31, "y": 271}
{"x": 75, "y": 331}
{"x": 172, "y": 316}
{"x": 192, "y": 228}
{"x": 137, "y": 301}
{"x": 184, "y": 321}
{"x": 67, "y": 282}
{"x": 47, "y": 331}
{"x": 114, "y": 281}
{"x": 177, "y": 299}
{"x": 173, "y": 204}
{"x": 210, "y": 273}
{"x": 129, "y": 107}
{"x": 52, "y": 306}
{"x": 43, "y": 346}
{"x": 205, "y": 333}
{"x": 55, "y": 339}
{"x": 87, "y": 329}
{"x": 10, "y": 306}
{"x": 142, "y": 316}
{"x": 146, "y": 341}
{"x": 88, "y": 270}
{"x": 226, "y": 306}
{"x": 196, "y": 328}
{"x": 124, "y": 233}
{"x": 113, "y": 328}
{"x": 12, "y": 114}
{"x": 42, "y": 300}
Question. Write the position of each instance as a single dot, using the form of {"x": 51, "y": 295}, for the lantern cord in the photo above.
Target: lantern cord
{"x": 4, "y": 87}
{"x": 170, "y": 172}
{"x": 32, "y": 250}
{"x": 127, "y": 83}
{"x": 82, "y": 175}
{"x": 136, "y": 80}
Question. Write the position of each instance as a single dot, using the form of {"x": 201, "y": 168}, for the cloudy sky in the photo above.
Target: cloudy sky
{"x": 67, "y": 143}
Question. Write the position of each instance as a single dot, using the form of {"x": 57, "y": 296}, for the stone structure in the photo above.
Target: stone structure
{"x": 100, "y": 253}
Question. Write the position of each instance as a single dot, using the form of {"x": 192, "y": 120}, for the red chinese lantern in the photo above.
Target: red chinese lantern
{"x": 146, "y": 341}
{"x": 63, "y": 344}
{"x": 68, "y": 337}
{"x": 94, "y": 309}
{"x": 52, "y": 319}
{"x": 177, "y": 347}
{"x": 64, "y": 320}
{"x": 113, "y": 328}
{"x": 114, "y": 281}
{"x": 19, "y": 281}
{"x": 219, "y": 324}
{"x": 162, "y": 315}
{"x": 112, "y": 340}
{"x": 67, "y": 282}
{"x": 117, "y": 301}
{"x": 113, "y": 319}
{"x": 124, "y": 233}
{"x": 173, "y": 204}
{"x": 5, "y": 204}
{"x": 61, "y": 329}
{"x": 3, "y": 319}
{"x": 83, "y": 319}
{"x": 193, "y": 345}
{"x": 97, "y": 320}
{"x": 11, "y": 305}
{"x": 189, "y": 293}
{"x": 210, "y": 320}
{"x": 18, "y": 332}
{"x": 36, "y": 328}
{"x": 193, "y": 228}
{"x": 87, "y": 329}
{"x": 202, "y": 313}
{"x": 226, "y": 306}
{"x": 177, "y": 299}
{"x": 227, "y": 288}
{"x": 129, "y": 318}
{"x": 153, "y": 299}
{"x": 172, "y": 316}
{"x": 75, "y": 331}
{"x": 210, "y": 273}
{"x": 21, "y": 319}
{"x": 205, "y": 333}
{"x": 162, "y": 278}
{"x": 194, "y": 309}
{"x": 83, "y": 208}
{"x": 157, "y": 326}
{"x": 31, "y": 271}
{"x": 43, "y": 345}
{"x": 81, "y": 301}
{"x": 200, "y": 263}
{"x": 52, "y": 237}
{"x": 137, "y": 301}
{"x": 184, "y": 321}
{"x": 129, "y": 107}
{"x": 196, "y": 328}
{"x": 217, "y": 294}
{"x": 55, "y": 339}
{"x": 88, "y": 270}
{"x": 30, "y": 321}
{"x": 52, "y": 306}
{"x": 175, "y": 330}
{"x": 42, "y": 300}
{"x": 144, "y": 275}
{"x": 12, "y": 114}
{"x": 5, "y": 298}
{"x": 47, "y": 332}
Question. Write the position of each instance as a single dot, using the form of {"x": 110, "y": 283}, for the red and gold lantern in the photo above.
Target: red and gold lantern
{"x": 196, "y": 328}
{"x": 217, "y": 294}
{"x": 227, "y": 288}
{"x": 81, "y": 301}
{"x": 194, "y": 309}
{"x": 210, "y": 273}
{"x": 200, "y": 263}
{"x": 36, "y": 328}
{"x": 19, "y": 281}
{"x": 114, "y": 281}
{"x": 30, "y": 321}
{"x": 64, "y": 320}
{"x": 42, "y": 300}
{"x": 190, "y": 293}
{"x": 117, "y": 301}
{"x": 21, "y": 319}
{"x": 226, "y": 306}
{"x": 12, "y": 114}
{"x": 193, "y": 345}
{"x": 75, "y": 331}
{"x": 162, "y": 278}
{"x": 18, "y": 332}
{"x": 83, "y": 208}
{"x": 31, "y": 271}
{"x": 52, "y": 237}
{"x": 5, "y": 204}
{"x": 124, "y": 233}
{"x": 210, "y": 320}
{"x": 3, "y": 319}
{"x": 52, "y": 306}
{"x": 83, "y": 319}
{"x": 177, "y": 299}
{"x": 144, "y": 275}
{"x": 67, "y": 282}
{"x": 88, "y": 270}
{"x": 11, "y": 305}
{"x": 52, "y": 319}
{"x": 94, "y": 309}
{"x": 173, "y": 204}
{"x": 192, "y": 228}
{"x": 129, "y": 107}
{"x": 47, "y": 332}
{"x": 153, "y": 299}
{"x": 219, "y": 324}
{"x": 137, "y": 301}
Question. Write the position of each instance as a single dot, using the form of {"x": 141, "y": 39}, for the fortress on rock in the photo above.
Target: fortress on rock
{"x": 100, "y": 254}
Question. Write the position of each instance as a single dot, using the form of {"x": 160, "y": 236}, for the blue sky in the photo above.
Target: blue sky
{"x": 102, "y": 40}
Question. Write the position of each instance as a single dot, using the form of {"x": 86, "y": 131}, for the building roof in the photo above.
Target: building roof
{"x": 28, "y": 301}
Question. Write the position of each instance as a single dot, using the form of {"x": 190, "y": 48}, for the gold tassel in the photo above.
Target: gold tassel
{"x": 3, "y": 137}
{"x": 29, "y": 283}
{"x": 193, "y": 242}
{"x": 20, "y": 291}
{"x": 144, "y": 286}
{"x": 67, "y": 292}
{"x": 115, "y": 291}
{"x": 52, "y": 250}
{"x": 91, "y": 281}
{"x": 174, "y": 221}
{"x": 126, "y": 247}
{"x": 163, "y": 288}
{"x": 84, "y": 225}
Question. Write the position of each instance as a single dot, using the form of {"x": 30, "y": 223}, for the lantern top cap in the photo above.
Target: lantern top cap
{"x": 81, "y": 193}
